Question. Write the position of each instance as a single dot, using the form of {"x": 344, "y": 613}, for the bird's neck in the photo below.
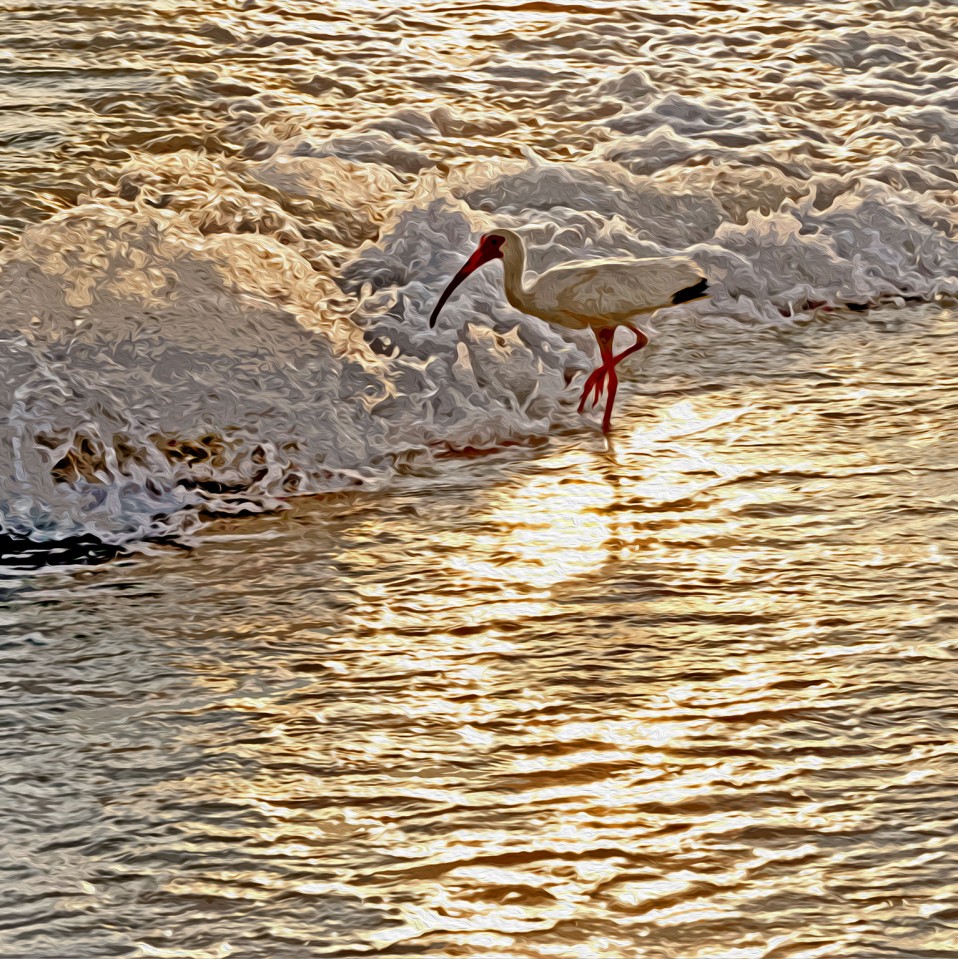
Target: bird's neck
{"x": 514, "y": 268}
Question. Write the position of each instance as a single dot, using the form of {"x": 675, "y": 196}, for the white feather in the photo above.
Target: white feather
{"x": 594, "y": 293}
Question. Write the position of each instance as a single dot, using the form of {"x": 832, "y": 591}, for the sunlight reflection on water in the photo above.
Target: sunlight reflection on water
{"x": 685, "y": 695}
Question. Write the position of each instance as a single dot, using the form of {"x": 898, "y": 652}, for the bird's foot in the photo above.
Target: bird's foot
{"x": 594, "y": 384}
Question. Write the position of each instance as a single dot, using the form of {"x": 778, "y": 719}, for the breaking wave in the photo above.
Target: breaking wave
{"x": 209, "y": 334}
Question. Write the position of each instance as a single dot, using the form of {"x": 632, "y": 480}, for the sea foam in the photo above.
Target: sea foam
{"x": 214, "y": 335}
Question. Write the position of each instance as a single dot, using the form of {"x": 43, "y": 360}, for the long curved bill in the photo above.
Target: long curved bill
{"x": 483, "y": 254}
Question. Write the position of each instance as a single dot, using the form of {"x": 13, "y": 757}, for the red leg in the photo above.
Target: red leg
{"x": 611, "y": 388}
{"x": 605, "y": 375}
{"x": 640, "y": 340}
{"x": 597, "y": 377}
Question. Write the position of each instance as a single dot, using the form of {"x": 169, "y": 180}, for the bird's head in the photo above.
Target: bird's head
{"x": 492, "y": 246}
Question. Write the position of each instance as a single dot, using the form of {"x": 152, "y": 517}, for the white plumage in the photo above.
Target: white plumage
{"x": 600, "y": 295}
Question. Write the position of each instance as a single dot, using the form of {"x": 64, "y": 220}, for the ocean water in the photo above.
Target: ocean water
{"x": 396, "y": 654}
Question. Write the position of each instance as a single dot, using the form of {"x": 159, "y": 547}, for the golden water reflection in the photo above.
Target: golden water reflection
{"x": 691, "y": 696}
{"x": 590, "y": 702}
{"x": 549, "y": 529}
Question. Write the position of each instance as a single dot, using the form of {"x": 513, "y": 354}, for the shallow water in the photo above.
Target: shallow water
{"x": 692, "y": 695}
{"x": 504, "y": 689}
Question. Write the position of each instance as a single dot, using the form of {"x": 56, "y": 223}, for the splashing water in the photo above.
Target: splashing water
{"x": 208, "y": 332}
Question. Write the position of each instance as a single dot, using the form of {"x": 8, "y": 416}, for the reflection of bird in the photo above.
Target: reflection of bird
{"x": 600, "y": 295}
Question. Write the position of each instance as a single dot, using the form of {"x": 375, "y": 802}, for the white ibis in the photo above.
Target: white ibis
{"x": 600, "y": 295}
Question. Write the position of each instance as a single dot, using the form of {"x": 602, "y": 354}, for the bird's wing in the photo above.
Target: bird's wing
{"x": 615, "y": 289}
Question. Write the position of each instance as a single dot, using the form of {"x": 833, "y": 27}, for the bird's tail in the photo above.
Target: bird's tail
{"x": 693, "y": 292}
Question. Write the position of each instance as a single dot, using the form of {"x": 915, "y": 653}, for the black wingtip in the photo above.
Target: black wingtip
{"x": 691, "y": 292}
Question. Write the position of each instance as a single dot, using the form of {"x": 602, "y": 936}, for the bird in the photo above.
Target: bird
{"x": 600, "y": 295}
